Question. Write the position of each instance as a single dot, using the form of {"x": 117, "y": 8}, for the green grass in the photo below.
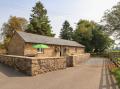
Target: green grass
{"x": 116, "y": 72}
{"x": 117, "y": 59}
{"x": 2, "y": 46}
{"x": 115, "y": 50}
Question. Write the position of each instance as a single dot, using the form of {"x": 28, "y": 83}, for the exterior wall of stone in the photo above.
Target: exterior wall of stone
{"x": 75, "y": 60}
{"x": 16, "y": 46}
{"x": 28, "y": 49}
{"x": 72, "y": 50}
{"x": 3, "y": 51}
{"x": 75, "y": 50}
{"x": 48, "y": 52}
{"x": 44, "y": 65}
{"x": 22, "y": 64}
{"x": 80, "y": 50}
{"x": 32, "y": 65}
{"x": 52, "y": 51}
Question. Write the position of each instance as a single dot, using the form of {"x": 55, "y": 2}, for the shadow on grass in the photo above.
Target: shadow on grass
{"x": 10, "y": 72}
{"x": 107, "y": 79}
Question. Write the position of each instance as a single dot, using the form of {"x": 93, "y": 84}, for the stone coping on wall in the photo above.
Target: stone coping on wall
{"x": 18, "y": 56}
{"x": 47, "y": 57}
{"x": 32, "y": 57}
{"x": 80, "y": 54}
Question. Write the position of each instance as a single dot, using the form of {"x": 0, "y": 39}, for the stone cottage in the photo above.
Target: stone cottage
{"x": 22, "y": 44}
{"x": 59, "y": 53}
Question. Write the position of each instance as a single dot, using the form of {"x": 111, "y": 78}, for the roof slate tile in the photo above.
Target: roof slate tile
{"x": 33, "y": 38}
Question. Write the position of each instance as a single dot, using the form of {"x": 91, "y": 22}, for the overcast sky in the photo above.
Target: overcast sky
{"x": 58, "y": 10}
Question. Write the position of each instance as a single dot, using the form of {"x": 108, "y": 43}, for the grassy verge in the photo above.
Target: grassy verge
{"x": 116, "y": 73}
{"x": 100, "y": 54}
{"x": 115, "y": 50}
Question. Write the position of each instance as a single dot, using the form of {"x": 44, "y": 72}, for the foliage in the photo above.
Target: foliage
{"x": 116, "y": 72}
{"x": 116, "y": 59}
{"x": 112, "y": 20}
{"x": 2, "y": 46}
{"x": 92, "y": 36}
{"x": 100, "y": 40}
{"x": 83, "y": 34}
{"x": 102, "y": 54}
{"x": 66, "y": 31}
{"x": 115, "y": 51}
{"x": 39, "y": 23}
{"x": 13, "y": 24}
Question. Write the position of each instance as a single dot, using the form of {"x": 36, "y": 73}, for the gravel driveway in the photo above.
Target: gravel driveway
{"x": 93, "y": 74}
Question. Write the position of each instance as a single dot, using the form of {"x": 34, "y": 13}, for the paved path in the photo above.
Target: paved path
{"x": 92, "y": 74}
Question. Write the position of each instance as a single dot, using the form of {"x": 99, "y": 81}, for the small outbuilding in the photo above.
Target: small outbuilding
{"x": 22, "y": 44}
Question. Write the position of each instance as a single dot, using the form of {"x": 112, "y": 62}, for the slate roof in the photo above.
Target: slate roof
{"x": 33, "y": 38}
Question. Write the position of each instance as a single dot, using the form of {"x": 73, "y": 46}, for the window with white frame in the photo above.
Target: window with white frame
{"x": 40, "y": 50}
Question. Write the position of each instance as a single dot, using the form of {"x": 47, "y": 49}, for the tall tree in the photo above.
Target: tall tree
{"x": 39, "y": 23}
{"x": 83, "y": 33}
{"x": 13, "y": 24}
{"x": 112, "y": 20}
{"x": 66, "y": 31}
{"x": 100, "y": 40}
{"x": 92, "y": 36}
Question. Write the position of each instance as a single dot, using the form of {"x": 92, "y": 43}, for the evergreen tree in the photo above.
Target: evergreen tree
{"x": 66, "y": 31}
{"x": 39, "y": 23}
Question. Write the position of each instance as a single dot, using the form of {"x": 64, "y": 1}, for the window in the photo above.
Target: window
{"x": 40, "y": 50}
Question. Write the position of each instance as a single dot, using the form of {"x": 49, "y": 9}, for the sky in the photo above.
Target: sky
{"x": 58, "y": 10}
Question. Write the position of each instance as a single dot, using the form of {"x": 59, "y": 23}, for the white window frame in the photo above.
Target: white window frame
{"x": 40, "y": 50}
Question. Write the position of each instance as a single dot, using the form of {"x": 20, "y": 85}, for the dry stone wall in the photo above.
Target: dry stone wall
{"x": 42, "y": 65}
{"x": 74, "y": 60}
{"x": 32, "y": 65}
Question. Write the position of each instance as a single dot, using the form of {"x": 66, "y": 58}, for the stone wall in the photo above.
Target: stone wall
{"x": 32, "y": 65}
{"x": 20, "y": 63}
{"x": 48, "y": 52}
{"x": 76, "y": 50}
{"x": 75, "y": 60}
{"x": 52, "y": 51}
{"x": 16, "y": 45}
{"x": 3, "y": 51}
{"x": 43, "y": 65}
